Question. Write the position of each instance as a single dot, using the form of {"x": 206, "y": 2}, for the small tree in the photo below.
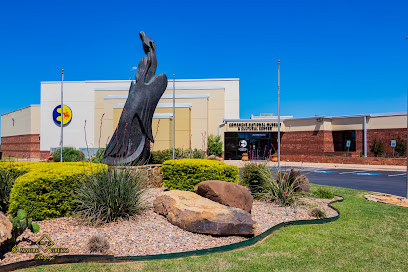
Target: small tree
{"x": 214, "y": 145}
{"x": 400, "y": 147}
{"x": 377, "y": 147}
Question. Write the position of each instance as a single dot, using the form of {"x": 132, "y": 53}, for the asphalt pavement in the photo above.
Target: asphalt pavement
{"x": 390, "y": 182}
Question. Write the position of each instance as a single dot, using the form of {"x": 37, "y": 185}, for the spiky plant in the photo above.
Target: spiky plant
{"x": 282, "y": 191}
{"x": 111, "y": 194}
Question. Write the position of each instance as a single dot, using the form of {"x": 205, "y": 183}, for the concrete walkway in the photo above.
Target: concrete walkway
{"x": 240, "y": 163}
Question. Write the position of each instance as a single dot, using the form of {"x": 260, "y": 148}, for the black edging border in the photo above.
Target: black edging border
{"x": 65, "y": 259}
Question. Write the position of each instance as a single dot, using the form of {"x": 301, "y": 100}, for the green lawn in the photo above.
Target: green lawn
{"x": 368, "y": 236}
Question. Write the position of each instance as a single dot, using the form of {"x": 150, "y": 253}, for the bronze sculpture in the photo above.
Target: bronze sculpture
{"x": 130, "y": 143}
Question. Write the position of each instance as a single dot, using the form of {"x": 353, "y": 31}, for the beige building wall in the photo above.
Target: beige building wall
{"x": 26, "y": 121}
{"x": 385, "y": 122}
{"x": 162, "y": 127}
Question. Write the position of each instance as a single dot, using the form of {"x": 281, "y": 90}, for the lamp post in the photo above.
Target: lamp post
{"x": 174, "y": 117}
{"x": 62, "y": 114}
{"x": 278, "y": 115}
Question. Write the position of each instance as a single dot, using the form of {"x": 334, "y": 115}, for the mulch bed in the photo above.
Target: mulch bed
{"x": 150, "y": 233}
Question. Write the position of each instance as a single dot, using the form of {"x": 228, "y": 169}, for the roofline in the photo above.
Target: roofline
{"x": 168, "y": 88}
{"x": 164, "y": 96}
{"x": 160, "y": 105}
{"x": 402, "y": 113}
{"x": 32, "y": 105}
{"x": 124, "y": 80}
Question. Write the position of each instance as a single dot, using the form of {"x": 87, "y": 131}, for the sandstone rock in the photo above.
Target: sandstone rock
{"x": 226, "y": 193}
{"x": 5, "y": 228}
{"x": 302, "y": 182}
{"x": 194, "y": 213}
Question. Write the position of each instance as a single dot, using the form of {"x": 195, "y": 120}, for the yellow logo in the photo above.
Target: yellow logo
{"x": 66, "y": 115}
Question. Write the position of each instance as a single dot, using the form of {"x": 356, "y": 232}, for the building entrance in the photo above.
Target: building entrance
{"x": 258, "y": 146}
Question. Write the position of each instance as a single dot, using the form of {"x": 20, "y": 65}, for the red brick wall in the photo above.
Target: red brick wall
{"x": 346, "y": 160}
{"x": 385, "y": 135}
{"x": 307, "y": 143}
{"x": 21, "y": 146}
{"x": 317, "y": 143}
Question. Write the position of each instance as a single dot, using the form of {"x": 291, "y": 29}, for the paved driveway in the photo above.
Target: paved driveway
{"x": 391, "y": 182}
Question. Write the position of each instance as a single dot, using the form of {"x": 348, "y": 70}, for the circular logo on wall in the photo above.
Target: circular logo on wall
{"x": 243, "y": 143}
{"x": 66, "y": 114}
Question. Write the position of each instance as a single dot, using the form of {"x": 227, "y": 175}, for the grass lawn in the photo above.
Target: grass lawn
{"x": 369, "y": 236}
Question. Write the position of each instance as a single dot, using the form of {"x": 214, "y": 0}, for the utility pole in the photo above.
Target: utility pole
{"x": 279, "y": 116}
{"x": 174, "y": 117}
{"x": 62, "y": 114}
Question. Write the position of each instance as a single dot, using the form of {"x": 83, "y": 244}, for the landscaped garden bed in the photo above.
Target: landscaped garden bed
{"x": 150, "y": 233}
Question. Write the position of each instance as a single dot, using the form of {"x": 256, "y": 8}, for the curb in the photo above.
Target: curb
{"x": 65, "y": 259}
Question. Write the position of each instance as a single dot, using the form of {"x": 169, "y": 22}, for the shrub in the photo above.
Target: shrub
{"x": 8, "y": 173}
{"x": 47, "y": 190}
{"x": 400, "y": 147}
{"x": 214, "y": 145}
{"x": 283, "y": 191}
{"x": 69, "y": 154}
{"x": 97, "y": 244}
{"x": 251, "y": 176}
{"x": 316, "y": 212}
{"x": 377, "y": 147}
{"x": 160, "y": 156}
{"x": 323, "y": 193}
{"x": 98, "y": 156}
{"x": 185, "y": 174}
{"x": 110, "y": 194}
{"x": 330, "y": 155}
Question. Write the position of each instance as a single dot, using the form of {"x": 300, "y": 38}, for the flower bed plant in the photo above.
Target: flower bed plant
{"x": 46, "y": 190}
{"x": 185, "y": 174}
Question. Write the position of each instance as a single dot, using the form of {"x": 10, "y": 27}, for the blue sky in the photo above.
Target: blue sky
{"x": 337, "y": 57}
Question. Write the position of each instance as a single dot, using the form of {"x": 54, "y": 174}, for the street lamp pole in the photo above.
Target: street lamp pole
{"x": 279, "y": 116}
{"x": 62, "y": 114}
{"x": 174, "y": 117}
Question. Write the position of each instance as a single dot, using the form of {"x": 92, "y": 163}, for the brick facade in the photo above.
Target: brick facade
{"x": 21, "y": 146}
{"x": 320, "y": 143}
{"x": 385, "y": 136}
{"x": 307, "y": 143}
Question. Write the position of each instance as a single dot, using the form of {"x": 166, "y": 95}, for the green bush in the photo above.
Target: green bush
{"x": 185, "y": 174}
{"x": 214, "y": 145}
{"x": 110, "y": 194}
{"x": 318, "y": 213}
{"x": 400, "y": 147}
{"x": 98, "y": 156}
{"x": 251, "y": 177}
{"x": 283, "y": 191}
{"x": 69, "y": 154}
{"x": 47, "y": 190}
{"x": 323, "y": 193}
{"x": 8, "y": 173}
{"x": 160, "y": 156}
{"x": 377, "y": 147}
{"x": 330, "y": 155}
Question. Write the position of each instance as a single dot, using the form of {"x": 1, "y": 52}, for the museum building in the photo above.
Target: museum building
{"x": 202, "y": 107}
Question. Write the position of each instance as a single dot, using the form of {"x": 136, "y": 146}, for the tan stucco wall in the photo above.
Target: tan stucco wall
{"x": 163, "y": 130}
{"x": 104, "y": 107}
{"x": 399, "y": 121}
{"x": 164, "y": 137}
{"x": 26, "y": 121}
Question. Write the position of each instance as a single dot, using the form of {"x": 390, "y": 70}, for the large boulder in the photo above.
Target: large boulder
{"x": 195, "y": 213}
{"x": 5, "y": 228}
{"x": 301, "y": 182}
{"x": 226, "y": 193}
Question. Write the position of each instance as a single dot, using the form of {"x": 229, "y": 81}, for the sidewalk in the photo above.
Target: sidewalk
{"x": 240, "y": 163}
